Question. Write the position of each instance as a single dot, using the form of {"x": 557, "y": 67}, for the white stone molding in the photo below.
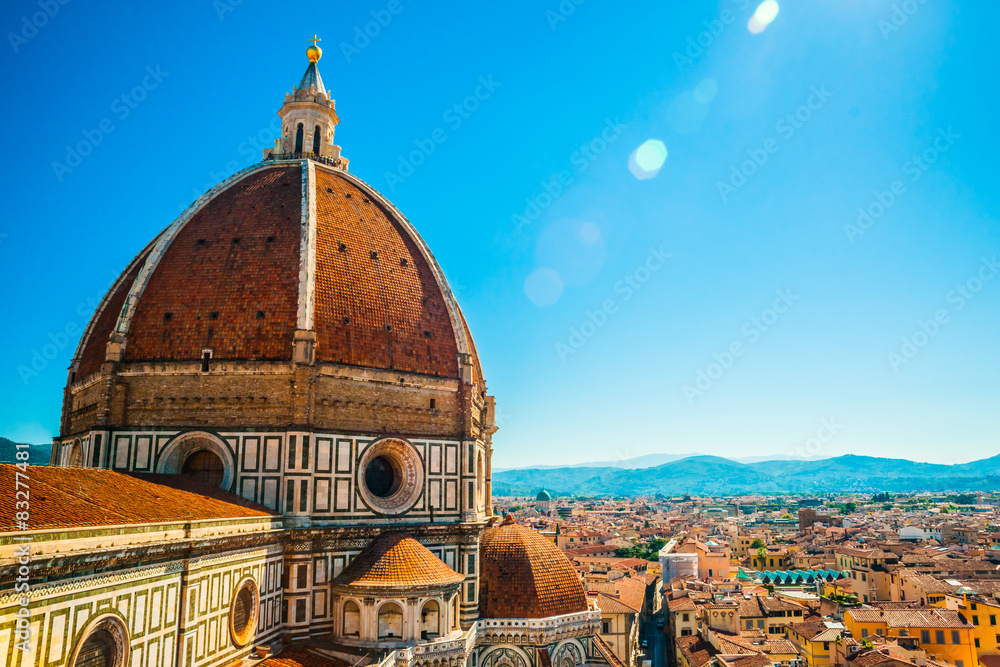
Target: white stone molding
{"x": 171, "y": 459}
{"x": 307, "y": 249}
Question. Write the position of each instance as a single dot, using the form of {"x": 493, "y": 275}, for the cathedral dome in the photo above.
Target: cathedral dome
{"x": 543, "y": 496}
{"x": 524, "y": 575}
{"x": 285, "y": 246}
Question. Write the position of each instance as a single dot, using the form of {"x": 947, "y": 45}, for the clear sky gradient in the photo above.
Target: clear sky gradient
{"x": 734, "y": 302}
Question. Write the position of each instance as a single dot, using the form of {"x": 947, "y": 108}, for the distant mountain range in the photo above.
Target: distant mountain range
{"x": 713, "y": 475}
{"x": 651, "y": 460}
{"x": 38, "y": 454}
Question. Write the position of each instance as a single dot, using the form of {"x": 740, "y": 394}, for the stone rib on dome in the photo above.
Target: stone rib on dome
{"x": 524, "y": 575}
{"x": 394, "y": 561}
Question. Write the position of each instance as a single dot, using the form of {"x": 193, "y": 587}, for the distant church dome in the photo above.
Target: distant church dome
{"x": 524, "y": 575}
{"x": 543, "y": 496}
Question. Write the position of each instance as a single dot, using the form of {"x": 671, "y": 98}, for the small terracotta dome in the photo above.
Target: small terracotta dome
{"x": 524, "y": 575}
{"x": 393, "y": 561}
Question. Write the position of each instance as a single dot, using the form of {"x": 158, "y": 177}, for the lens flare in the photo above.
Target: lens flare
{"x": 762, "y": 17}
{"x": 646, "y": 161}
{"x": 705, "y": 91}
{"x": 543, "y": 287}
{"x": 590, "y": 232}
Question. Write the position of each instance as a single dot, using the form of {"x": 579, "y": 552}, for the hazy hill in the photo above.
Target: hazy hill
{"x": 712, "y": 475}
{"x": 39, "y": 454}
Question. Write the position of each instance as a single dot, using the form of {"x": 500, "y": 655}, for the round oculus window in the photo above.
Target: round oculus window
{"x": 243, "y": 612}
{"x": 391, "y": 476}
{"x": 382, "y": 476}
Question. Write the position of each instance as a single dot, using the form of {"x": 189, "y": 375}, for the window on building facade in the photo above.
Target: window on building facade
{"x": 205, "y": 466}
{"x": 97, "y": 651}
{"x": 243, "y": 613}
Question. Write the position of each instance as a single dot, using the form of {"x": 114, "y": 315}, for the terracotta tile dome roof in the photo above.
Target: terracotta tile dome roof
{"x": 279, "y": 247}
{"x": 524, "y": 575}
{"x": 394, "y": 561}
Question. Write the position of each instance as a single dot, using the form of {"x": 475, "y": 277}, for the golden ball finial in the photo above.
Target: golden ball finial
{"x": 314, "y": 53}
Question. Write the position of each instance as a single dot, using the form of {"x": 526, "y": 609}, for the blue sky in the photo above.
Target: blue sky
{"x": 730, "y": 303}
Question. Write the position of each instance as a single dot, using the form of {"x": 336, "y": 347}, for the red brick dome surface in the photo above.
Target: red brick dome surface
{"x": 230, "y": 279}
{"x": 396, "y": 560}
{"x": 524, "y": 575}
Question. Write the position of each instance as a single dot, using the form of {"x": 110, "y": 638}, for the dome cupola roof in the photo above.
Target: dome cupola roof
{"x": 524, "y": 575}
{"x": 396, "y": 561}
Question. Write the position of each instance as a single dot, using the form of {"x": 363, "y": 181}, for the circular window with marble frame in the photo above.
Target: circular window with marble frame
{"x": 243, "y": 610}
{"x": 390, "y": 476}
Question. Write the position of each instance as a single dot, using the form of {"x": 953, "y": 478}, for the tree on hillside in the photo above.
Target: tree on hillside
{"x": 849, "y": 507}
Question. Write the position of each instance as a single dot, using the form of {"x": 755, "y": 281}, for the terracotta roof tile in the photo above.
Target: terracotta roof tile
{"x": 524, "y": 575}
{"x": 396, "y": 560}
{"x": 911, "y": 618}
{"x": 220, "y": 271}
{"x": 380, "y": 282}
{"x": 696, "y": 650}
{"x": 294, "y": 656}
{"x": 76, "y": 497}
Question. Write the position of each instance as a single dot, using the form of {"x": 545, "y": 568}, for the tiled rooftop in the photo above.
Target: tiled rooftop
{"x": 524, "y": 575}
{"x": 396, "y": 560}
{"x": 237, "y": 257}
{"x": 77, "y": 497}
